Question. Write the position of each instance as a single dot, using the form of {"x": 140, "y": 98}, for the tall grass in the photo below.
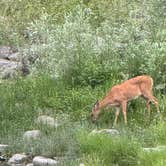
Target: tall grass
{"x": 77, "y": 52}
{"x": 24, "y": 100}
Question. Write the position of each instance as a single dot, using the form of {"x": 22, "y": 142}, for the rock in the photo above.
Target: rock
{"x": 107, "y": 131}
{"x": 120, "y": 46}
{"x": 161, "y": 147}
{"x": 2, "y": 158}
{"x": 150, "y": 149}
{"x": 42, "y": 161}
{"x": 82, "y": 164}
{"x": 32, "y": 134}
{"x": 9, "y": 68}
{"x": 17, "y": 165}
{"x": 47, "y": 120}
{"x": 155, "y": 149}
{"x": 15, "y": 57}
{"x": 5, "y": 51}
{"x": 9, "y": 53}
{"x": 30, "y": 164}
{"x": 11, "y": 63}
{"x": 18, "y": 159}
{"x": 3, "y": 147}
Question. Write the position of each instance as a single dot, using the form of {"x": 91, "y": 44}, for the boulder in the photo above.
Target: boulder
{"x": 18, "y": 159}
{"x": 9, "y": 53}
{"x": 11, "y": 63}
{"x": 31, "y": 134}
{"x": 2, "y": 159}
{"x": 17, "y": 165}
{"x": 106, "y": 131}
{"x": 5, "y": 51}
{"x": 47, "y": 120}
{"x": 42, "y": 161}
{"x": 81, "y": 164}
{"x": 3, "y": 147}
{"x": 30, "y": 164}
{"x": 15, "y": 57}
{"x": 155, "y": 149}
{"x": 8, "y": 68}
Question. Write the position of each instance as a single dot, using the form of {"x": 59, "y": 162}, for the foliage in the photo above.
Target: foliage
{"x": 83, "y": 55}
{"x": 88, "y": 43}
{"x": 77, "y": 50}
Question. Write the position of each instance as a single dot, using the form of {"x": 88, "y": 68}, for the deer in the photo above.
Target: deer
{"x": 121, "y": 94}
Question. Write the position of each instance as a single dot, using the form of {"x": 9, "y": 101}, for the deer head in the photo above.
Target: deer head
{"x": 95, "y": 111}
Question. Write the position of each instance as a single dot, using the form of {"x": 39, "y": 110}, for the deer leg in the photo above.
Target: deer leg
{"x": 156, "y": 103}
{"x": 116, "y": 115}
{"x": 148, "y": 106}
{"x": 153, "y": 99}
{"x": 124, "y": 109}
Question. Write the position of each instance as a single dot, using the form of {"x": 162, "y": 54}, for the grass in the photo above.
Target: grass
{"x": 24, "y": 99}
{"x": 85, "y": 48}
{"x": 153, "y": 158}
{"x": 119, "y": 151}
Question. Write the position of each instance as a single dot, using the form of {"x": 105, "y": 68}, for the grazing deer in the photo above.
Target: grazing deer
{"x": 120, "y": 94}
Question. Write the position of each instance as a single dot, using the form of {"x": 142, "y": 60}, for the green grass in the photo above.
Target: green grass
{"x": 85, "y": 48}
{"x": 113, "y": 150}
{"x": 153, "y": 158}
{"x": 24, "y": 99}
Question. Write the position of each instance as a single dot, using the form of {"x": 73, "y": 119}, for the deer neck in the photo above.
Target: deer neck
{"x": 103, "y": 103}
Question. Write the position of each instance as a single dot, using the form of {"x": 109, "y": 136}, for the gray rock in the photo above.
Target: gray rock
{"x": 17, "y": 165}
{"x": 8, "y": 64}
{"x": 3, "y": 147}
{"x": 5, "y": 51}
{"x": 12, "y": 63}
{"x": 106, "y": 131}
{"x": 156, "y": 149}
{"x": 18, "y": 159}
{"x": 30, "y": 164}
{"x": 15, "y": 57}
{"x": 81, "y": 164}
{"x": 42, "y": 161}
{"x": 9, "y": 68}
{"x": 2, "y": 159}
{"x": 31, "y": 134}
{"x": 47, "y": 120}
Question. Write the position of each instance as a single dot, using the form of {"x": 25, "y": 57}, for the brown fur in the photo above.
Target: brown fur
{"x": 120, "y": 94}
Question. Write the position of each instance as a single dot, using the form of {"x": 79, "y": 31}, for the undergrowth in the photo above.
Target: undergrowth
{"x": 25, "y": 99}
{"x": 77, "y": 50}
